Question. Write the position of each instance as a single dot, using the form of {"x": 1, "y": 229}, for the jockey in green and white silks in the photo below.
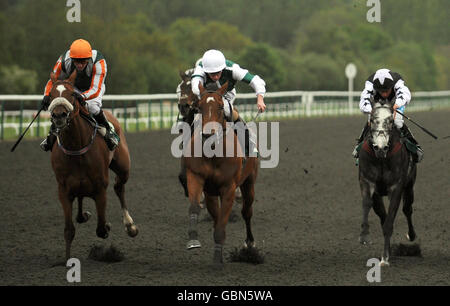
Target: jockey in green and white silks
{"x": 214, "y": 68}
{"x": 387, "y": 85}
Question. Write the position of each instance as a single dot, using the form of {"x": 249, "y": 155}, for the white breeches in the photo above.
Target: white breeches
{"x": 94, "y": 105}
{"x": 398, "y": 119}
{"x": 228, "y": 100}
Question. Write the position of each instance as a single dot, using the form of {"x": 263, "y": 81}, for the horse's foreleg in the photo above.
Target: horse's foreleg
{"x": 367, "y": 190}
{"x": 388, "y": 226}
{"x": 408, "y": 199}
{"x": 182, "y": 177}
{"x": 102, "y": 227}
{"x": 212, "y": 204}
{"x": 226, "y": 201}
{"x": 119, "y": 188}
{"x": 82, "y": 216}
{"x": 378, "y": 207}
{"x": 195, "y": 188}
{"x": 248, "y": 194}
{"x": 69, "y": 228}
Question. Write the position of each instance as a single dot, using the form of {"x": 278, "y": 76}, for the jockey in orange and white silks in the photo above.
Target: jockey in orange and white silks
{"x": 90, "y": 80}
{"x": 214, "y": 68}
{"x": 387, "y": 85}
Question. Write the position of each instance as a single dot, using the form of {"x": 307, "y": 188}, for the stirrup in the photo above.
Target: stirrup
{"x": 44, "y": 145}
{"x": 355, "y": 152}
{"x": 419, "y": 155}
{"x": 111, "y": 140}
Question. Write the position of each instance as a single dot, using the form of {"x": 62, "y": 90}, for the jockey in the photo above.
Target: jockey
{"x": 386, "y": 84}
{"x": 214, "y": 68}
{"x": 90, "y": 81}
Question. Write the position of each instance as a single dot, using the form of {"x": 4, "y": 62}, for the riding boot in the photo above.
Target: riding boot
{"x": 111, "y": 138}
{"x": 361, "y": 138}
{"x": 406, "y": 133}
{"x": 249, "y": 139}
{"x": 48, "y": 142}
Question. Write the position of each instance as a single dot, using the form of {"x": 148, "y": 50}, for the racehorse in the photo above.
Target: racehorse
{"x": 186, "y": 100}
{"x": 218, "y": 177}
{"x": 385, "y": 168}
{"x": 80, "y": 160}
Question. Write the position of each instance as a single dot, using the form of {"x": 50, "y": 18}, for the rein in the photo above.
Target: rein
{"x": 81, "y": 151}
{"x": 75, "y": 113}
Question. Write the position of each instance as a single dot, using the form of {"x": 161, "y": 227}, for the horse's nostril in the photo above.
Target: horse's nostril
{"x": 385, "y": 148}
{"x": 375, "y": 147}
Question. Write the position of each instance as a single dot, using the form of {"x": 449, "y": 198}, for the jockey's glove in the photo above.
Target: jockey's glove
{"x": 45, "y": 102}
{"x": 80, "y": 97}
{"x": 367, "y": 108}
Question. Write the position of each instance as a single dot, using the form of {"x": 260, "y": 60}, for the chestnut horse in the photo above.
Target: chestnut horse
{"x": 218, "y": 177}
{"x": 81, "y": 161}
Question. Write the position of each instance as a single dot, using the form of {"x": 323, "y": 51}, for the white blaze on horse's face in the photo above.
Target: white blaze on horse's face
{"x": 61, "y": 89}
{"x": 381, "y": 123}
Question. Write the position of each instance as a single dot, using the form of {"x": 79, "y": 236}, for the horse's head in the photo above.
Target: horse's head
{"x": 211, "y": 107}
{"x": 63, "y": 106}
{"x": 184, "y": 91}
{"x": 381, "y": 125}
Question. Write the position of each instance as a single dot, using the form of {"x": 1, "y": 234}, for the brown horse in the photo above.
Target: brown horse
{"x": 218, "y": 176}
{"x": 186, "y": 100}
{"x": 81, "y": 161}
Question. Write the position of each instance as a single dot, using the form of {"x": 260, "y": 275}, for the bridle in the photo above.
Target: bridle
{"x": 71, "y": 114}
{"x": 221, "y": 114}
{"x": 386, "y": 132}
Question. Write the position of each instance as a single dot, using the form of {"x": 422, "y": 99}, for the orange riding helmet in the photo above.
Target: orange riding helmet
{"x": 80, "y": 48}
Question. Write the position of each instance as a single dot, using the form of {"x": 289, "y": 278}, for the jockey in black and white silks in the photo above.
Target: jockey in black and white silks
{"x": 387, "y": 85}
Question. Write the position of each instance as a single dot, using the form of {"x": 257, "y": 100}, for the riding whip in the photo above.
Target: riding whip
{"x": 423, "y": 129}
{"x": 23, "y": 134}
{"x": 257, "y": 114}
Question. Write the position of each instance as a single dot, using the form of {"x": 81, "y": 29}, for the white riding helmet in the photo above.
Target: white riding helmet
{"x": 213, "y": 61}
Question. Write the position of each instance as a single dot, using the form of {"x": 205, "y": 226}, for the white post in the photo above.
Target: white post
{"x": 350, "y": 73}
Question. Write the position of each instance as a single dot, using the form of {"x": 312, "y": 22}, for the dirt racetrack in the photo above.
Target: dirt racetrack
{"x": 306, "y": 220}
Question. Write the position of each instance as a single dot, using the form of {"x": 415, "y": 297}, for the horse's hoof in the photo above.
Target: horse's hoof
{"x": 132, "y": 230}
{"x": 103, "y": 233}
{"x": 384, "y": 263}
{"x": 411, "y": 237}
{"x": 193, "y": 244}
{"x": 364, "y": 240}
{"x": 87, "y": 215}
{"x": 218, "y": 259}
{"x": 84, "y": 217}
{"x": 249, "y": 244}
